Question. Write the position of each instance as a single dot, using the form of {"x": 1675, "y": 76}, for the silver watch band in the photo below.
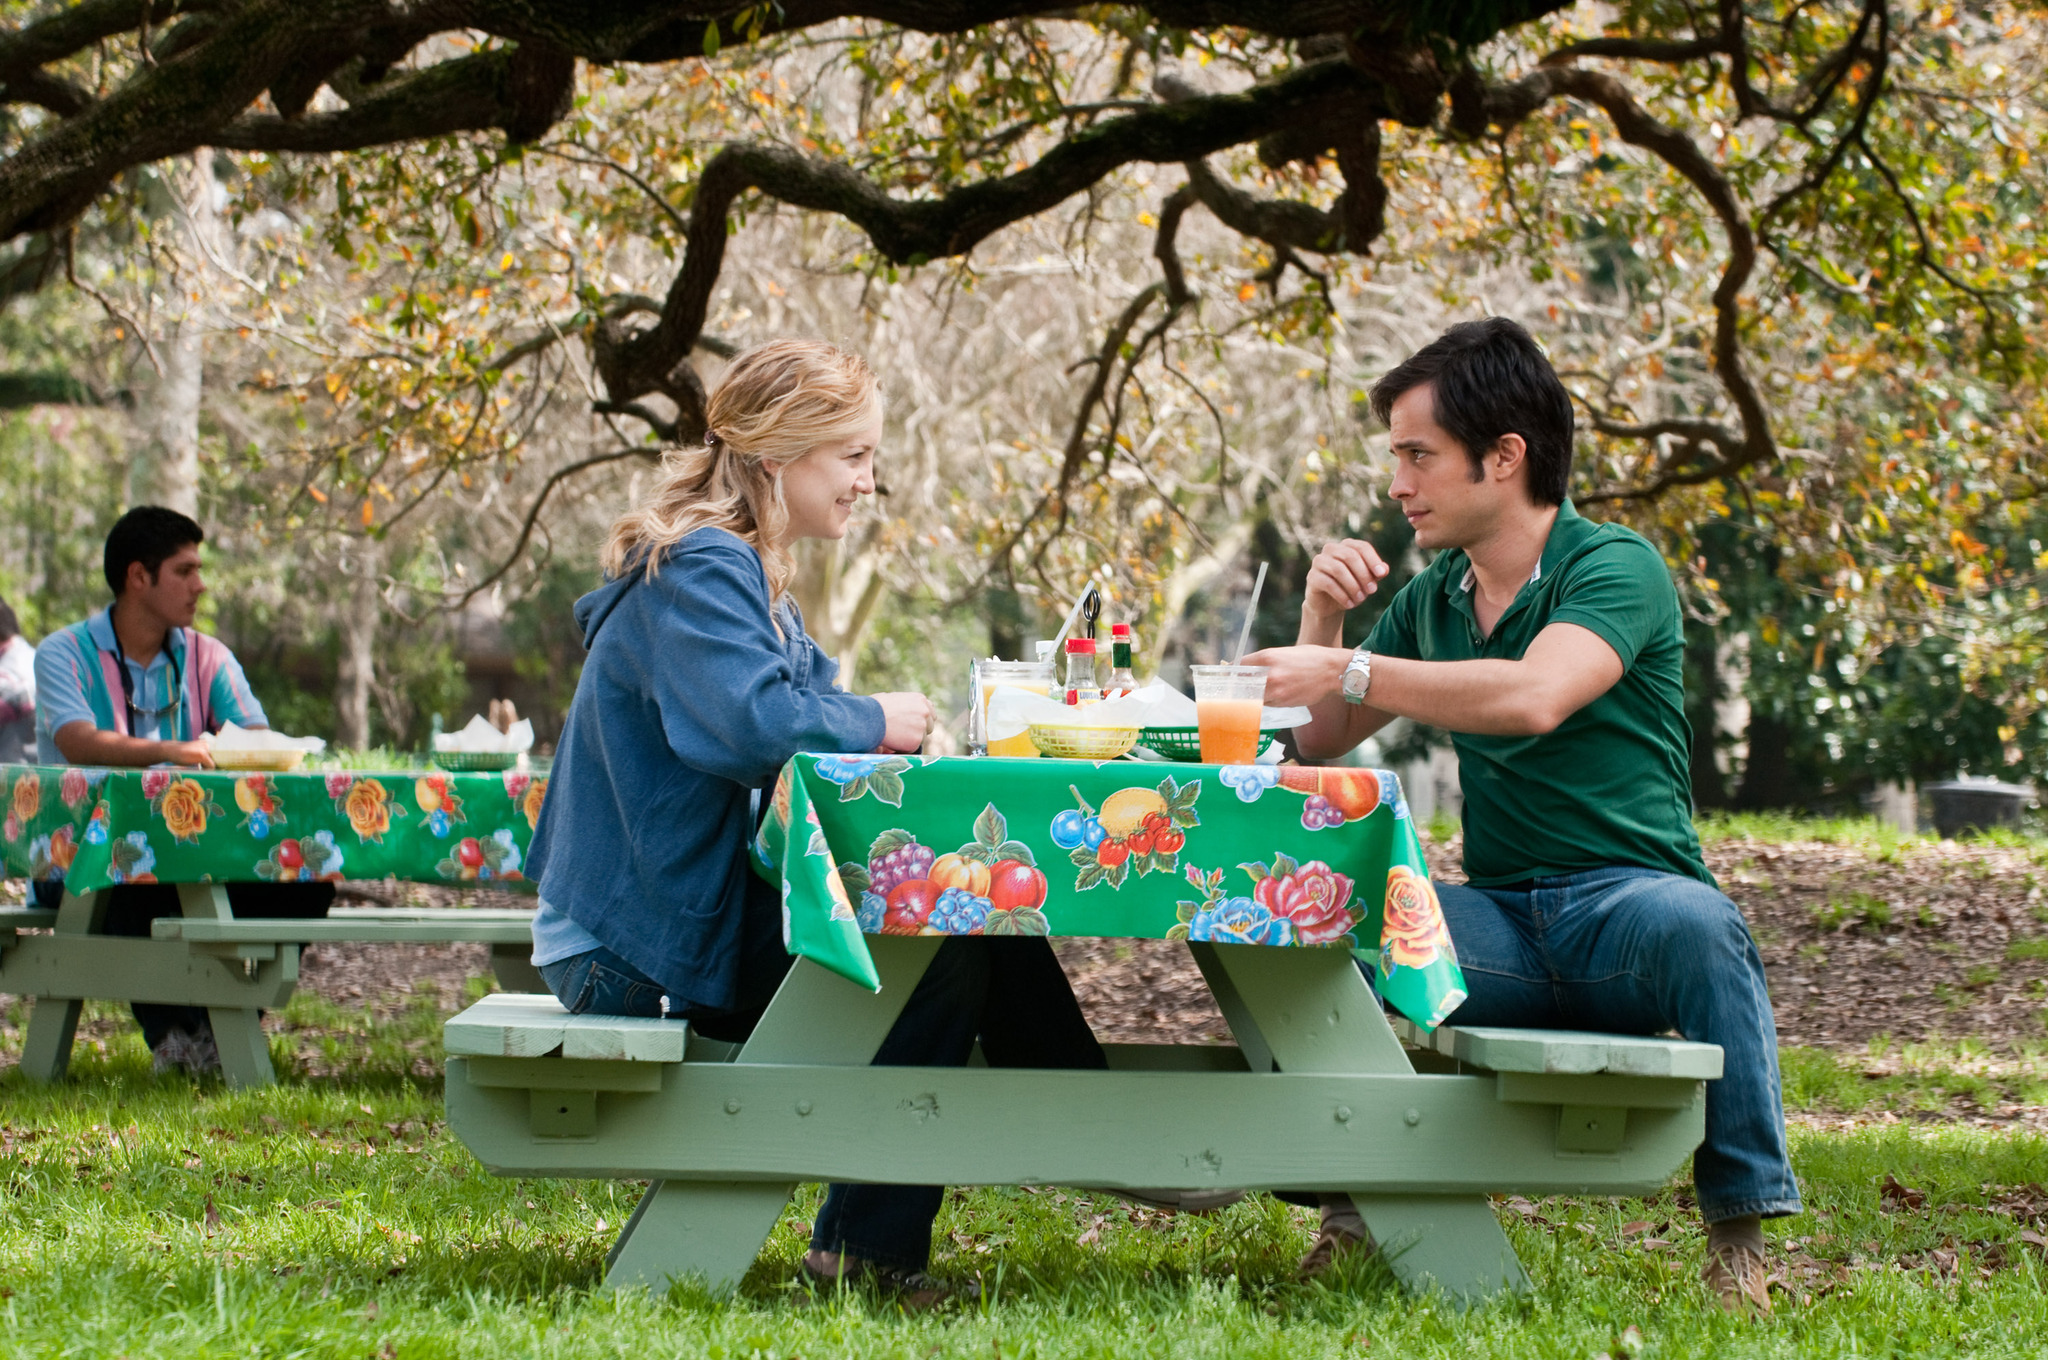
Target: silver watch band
{"x": 1358, "y": 675}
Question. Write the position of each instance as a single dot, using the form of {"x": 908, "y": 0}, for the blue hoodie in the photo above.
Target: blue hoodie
{"x": 689, "y": 700}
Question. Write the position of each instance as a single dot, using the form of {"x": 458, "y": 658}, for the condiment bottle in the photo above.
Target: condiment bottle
{"x": 1081, "y": 686}
{"x": 1121, "y": 680}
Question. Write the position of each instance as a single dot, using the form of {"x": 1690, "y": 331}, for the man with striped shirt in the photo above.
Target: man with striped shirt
{"x": 136, "y": 684}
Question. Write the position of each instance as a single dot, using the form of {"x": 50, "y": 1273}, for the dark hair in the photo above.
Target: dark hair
{"x": 147, "y": 534}
{"x": 10, "y": 626}
{"x": 1489, "y": 378}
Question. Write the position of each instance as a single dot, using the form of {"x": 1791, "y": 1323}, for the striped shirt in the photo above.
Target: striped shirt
{"x": 76, "y": 681}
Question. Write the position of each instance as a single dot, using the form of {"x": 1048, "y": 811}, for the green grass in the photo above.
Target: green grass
{"x": 146, "y": 1217}
{"x": 1881, "y": 840}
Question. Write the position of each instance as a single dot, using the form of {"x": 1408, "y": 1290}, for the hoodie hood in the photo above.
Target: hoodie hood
{"x": 593, "y": 609}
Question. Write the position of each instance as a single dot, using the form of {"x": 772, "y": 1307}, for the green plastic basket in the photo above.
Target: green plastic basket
{"x": 475, "y": 761}
{"x": 1185, "y": 743}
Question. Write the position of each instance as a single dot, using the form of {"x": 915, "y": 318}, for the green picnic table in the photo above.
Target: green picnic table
{"x": 1291, "y": 887}
{"x": 97, "y": 828}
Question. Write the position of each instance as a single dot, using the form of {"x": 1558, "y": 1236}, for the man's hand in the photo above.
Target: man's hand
{"x": 1340, "y": 578}
{"x": 1303, "y": 676}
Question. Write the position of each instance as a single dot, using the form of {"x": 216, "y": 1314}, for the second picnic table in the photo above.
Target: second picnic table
{"x": 96, "y": 828}
{"x": 1282, "y": 881}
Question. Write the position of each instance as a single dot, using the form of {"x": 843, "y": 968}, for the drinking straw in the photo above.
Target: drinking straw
{"x": 1250, "y": 612}
{"x": 1073, "y": 615}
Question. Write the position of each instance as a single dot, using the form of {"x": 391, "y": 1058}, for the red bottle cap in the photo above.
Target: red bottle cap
{"x": 1119, "y": 632}
{"x": 1086, "y": 646}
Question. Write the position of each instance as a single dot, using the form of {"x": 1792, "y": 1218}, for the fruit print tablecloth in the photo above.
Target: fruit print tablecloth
{"x": 1232, "y": 854}
{"x": 96, "y": 827}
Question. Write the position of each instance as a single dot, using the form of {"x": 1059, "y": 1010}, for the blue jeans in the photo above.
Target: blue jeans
{"x": 1636, "y": 951}
{"x": 1007, "y": 992}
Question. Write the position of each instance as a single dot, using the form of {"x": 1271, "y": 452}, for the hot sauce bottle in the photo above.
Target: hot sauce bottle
{"x": 1121, "y": 679}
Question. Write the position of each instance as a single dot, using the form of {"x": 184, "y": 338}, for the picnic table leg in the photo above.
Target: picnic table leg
{"x": 237, "y": 1031}
{"x": 1315, "y": 1013}
{"x": 53, "y": 1020}
{"x": 716, "y": 1228}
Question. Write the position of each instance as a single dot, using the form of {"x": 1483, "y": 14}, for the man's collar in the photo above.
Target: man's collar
{"x": 101, "y": 625}
{"x": 1563, "y": 537}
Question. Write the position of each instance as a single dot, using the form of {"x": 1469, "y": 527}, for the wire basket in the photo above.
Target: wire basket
{"x": 276, "y": 762}
{"x": 475, "y": 761}
{"x": 1185, "y": 743}
{"x": 1082, "y": 743}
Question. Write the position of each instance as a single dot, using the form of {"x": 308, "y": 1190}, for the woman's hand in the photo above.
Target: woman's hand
{"x": 909, "y": 719}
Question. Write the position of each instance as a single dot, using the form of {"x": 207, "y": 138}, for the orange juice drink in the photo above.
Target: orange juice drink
{"x": 1230, "y": 730}
{"x": 1228, "y": 704}
{"x": 1031, "y": 676}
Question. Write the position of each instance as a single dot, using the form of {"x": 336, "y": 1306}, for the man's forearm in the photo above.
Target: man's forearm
{"x": 1482, "y": 697}
{"x": 1328, "y": 731}
{"x": 85, "y": 745}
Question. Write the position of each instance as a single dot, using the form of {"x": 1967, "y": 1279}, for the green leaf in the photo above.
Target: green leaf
{"x": 1031, "y": 921}
{"x": 1179, "y": 932}
{"x": 1089, "y": 877}
{"x": 817, "y": 845}
{"x": 1016, "y": 850}
{"x": 1116, "y": 875}
{"x": 888, "y": 842}
{"x": 711, "y": 39}
{"x": 991, "y": 828}
{"x": 1283, "y": 866}
{"x": 888, "y": 786}
{"x": 1081, "y": 857}
{"x": 1257, "y": 871}
{"x": 854, "y": 877}
{"x": 266, "y": 870}
{"x": 980, "y": 854}
{"x": 853, "y": 789}
{"x": 1186, "y": 911}
{"x": 448, "y": 868}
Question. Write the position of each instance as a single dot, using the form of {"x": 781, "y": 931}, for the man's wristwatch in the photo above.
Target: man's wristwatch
{"x": 1358, "y": 676}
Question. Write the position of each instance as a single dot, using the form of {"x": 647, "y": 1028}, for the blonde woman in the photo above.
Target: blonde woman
{"x": 699, "y": 686}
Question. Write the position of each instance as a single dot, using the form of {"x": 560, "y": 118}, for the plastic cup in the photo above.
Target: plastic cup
{"x": 1035, "y": 676}
{"x": 1228, "y": 704}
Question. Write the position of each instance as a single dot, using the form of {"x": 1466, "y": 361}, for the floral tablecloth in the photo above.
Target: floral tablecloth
{"x": 96, "y": 827}
{"x": 1232, "y": 854}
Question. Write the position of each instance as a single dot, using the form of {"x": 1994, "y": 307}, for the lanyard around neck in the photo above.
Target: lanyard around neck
{"x": 177, "y": 694}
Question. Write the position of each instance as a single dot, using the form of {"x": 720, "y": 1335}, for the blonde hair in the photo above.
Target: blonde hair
{"x": 775, "y": 404}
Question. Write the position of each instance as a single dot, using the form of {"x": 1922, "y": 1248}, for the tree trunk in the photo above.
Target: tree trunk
{"x": 838, "y": 599}
{"x": 165, "y": 470}
{"x": 356, "y": 669}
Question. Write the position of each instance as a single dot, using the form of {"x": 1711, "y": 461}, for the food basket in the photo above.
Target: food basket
{"x": 1185, "y": 743}
{"x": 1082, "y": 743}
{"x": 469, "y": 762}
{"x": 275, "y": 761}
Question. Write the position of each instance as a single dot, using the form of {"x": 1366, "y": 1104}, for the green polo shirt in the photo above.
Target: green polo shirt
{"x": 1612, "y": 785}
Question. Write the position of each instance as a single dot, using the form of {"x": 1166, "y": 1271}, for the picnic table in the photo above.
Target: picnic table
{"x": 1291, "y": 887}
{"x": 200, "y": 829}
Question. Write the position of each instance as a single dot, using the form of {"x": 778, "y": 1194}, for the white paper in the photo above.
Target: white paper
{"x": 233, "y": 738}
{"x": 1153, "y": 704}
{"x": 480, "y": 736}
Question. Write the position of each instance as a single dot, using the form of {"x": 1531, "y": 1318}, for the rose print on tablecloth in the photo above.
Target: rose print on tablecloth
{"x": 1220, "y": 919}
{"x": 1414, "y": 934}
{"x": 185, "y": 804}
{"x": 536, "y": 794}
{"x": 25, "y": 801}
{"x": 77, "y": 785}
{"x": 367, "y": 804}
{"x": 1314, "y": 898}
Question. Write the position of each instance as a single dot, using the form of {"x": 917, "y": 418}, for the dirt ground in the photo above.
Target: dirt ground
{"x": 1942, "y": 941}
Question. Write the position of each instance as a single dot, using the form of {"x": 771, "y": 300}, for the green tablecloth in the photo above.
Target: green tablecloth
{"x": 95, "y": 827}
{"x": 1235, "y": 854}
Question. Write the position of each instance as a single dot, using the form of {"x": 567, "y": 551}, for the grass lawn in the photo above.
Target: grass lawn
{"x": 145, "y": 1217}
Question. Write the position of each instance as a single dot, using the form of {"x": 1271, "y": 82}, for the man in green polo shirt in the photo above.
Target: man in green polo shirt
{"x": 1550, "y": 647}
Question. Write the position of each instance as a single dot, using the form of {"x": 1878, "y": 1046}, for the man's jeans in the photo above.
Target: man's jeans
{"x": 1635, "y": 951}
{"x": 1008, "y": 992}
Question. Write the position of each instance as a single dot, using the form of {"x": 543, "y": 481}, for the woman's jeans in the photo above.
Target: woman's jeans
{"x": 1007, "y": 992}
{"x": 1635, "y": 951}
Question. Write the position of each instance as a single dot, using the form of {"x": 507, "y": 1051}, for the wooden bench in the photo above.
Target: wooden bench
{"x": 1316, "y": 1095}
{"x": 234, "y": 968}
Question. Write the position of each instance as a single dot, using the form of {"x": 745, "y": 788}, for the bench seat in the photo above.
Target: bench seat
{"x": 1566, "y": 1052}
{"x": 359, "y": 925}
{"x": 524, "y": 1025}
{"x": 27, "y": 918}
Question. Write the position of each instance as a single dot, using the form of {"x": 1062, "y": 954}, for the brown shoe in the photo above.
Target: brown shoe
{"x": 1331, "y": 1244}
{"x": 1740, "y": 1277}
